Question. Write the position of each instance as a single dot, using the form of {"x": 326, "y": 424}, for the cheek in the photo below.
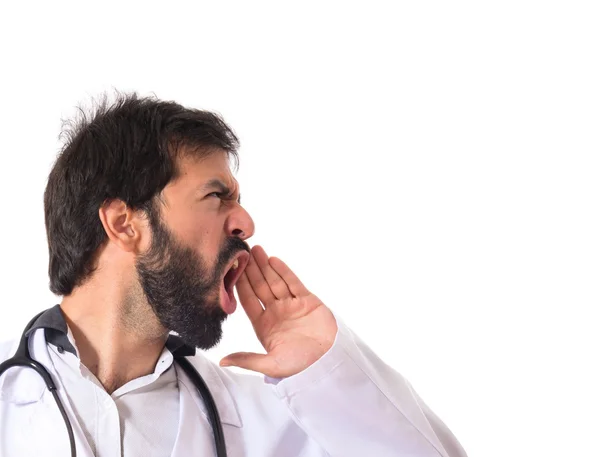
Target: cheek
{"x": 188, "y": 228}
{"x": 193, "y": 231}
{"x": 206, "y": 239}
{"x": 206, "y": 244}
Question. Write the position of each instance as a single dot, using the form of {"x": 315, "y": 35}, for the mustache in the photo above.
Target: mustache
{"x": 233, "y": 246}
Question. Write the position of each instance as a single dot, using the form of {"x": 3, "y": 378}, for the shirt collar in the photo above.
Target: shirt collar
{"x": 57, "y": 333}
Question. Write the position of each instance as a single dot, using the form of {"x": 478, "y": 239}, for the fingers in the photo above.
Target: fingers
{"x": 267, "y": 279}
{"x": 276, "y": 283}
{"x": 258, "y": 282}
{"x": 292, "y": 281}
{"x": 248, "y": 298}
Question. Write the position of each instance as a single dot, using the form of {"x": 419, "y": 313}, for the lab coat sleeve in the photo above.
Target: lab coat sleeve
{"x": 353, "y": 404}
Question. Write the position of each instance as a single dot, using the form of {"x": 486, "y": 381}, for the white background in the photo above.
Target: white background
{"x": 429, "y": 170}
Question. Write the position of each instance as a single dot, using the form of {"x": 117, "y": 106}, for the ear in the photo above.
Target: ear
{"x": 123, "y": 225}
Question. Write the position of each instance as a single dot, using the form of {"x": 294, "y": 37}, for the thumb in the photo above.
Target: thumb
{"x": 261, "y": 363}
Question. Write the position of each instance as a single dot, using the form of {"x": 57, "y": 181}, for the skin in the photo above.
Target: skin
{"x": 118, "y": 335}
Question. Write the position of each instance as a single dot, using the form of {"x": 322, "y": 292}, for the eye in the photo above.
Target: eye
{"x": 221, "y": 195}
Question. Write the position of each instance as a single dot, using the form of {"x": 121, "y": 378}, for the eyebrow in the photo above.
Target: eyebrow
{"x": 218, "y": 184}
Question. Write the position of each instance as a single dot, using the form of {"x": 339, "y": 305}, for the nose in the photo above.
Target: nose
{"x": 240, "y": 224}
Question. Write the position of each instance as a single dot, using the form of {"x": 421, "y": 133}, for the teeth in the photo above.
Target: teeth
{"x": 236, "y": 264}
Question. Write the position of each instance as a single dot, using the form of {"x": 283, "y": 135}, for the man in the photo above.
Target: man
{"x": 147, "y": 236}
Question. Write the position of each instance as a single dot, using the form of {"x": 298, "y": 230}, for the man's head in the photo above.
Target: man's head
{"x": 145, "y": 185}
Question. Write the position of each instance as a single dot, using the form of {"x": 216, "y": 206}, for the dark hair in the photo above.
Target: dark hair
{"x": 123, "y": 150}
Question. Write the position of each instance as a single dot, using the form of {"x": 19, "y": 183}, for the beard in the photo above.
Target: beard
{"x": 182, "y": 290}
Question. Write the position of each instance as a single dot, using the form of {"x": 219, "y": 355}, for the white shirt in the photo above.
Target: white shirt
{"x": 140, "y": 418}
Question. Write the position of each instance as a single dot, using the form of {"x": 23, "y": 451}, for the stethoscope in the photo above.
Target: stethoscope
{"x": 22, "y": 358}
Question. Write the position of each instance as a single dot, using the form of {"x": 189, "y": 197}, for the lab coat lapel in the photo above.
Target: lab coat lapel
{"x": 28, "y": 388}
{"x": 195, "y": 436}
{"x": 21, "y": 391}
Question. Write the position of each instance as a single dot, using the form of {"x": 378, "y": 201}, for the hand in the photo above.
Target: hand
{"x": 295, "y": 327}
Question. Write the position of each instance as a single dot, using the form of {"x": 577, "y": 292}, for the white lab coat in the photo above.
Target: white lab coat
{"x": 349, "y": 403}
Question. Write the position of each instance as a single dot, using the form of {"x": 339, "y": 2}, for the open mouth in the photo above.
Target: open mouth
{"x": 235, "y": 270}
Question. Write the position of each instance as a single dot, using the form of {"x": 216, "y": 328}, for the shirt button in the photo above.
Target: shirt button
{"x": 60, "y": 349}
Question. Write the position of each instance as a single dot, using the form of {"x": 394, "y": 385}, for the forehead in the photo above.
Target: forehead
{"x": 198, "y": 172}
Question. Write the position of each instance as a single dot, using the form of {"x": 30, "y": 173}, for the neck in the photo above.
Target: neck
{"x": 118, "y": 336}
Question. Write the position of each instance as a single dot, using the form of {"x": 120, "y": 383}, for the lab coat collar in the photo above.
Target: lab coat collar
{"x": 55, "y": 329}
